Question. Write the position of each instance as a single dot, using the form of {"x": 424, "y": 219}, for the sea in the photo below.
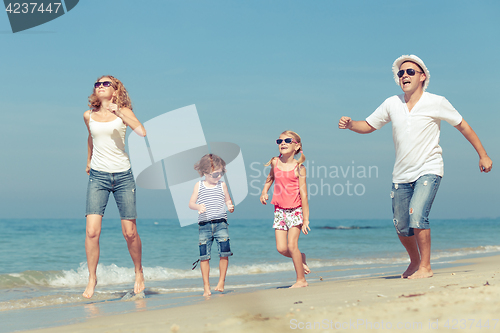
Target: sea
{"x": 43, "y": 269}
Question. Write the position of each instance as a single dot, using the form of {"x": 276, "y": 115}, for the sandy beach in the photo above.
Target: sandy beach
{"x": 462, "y": 297}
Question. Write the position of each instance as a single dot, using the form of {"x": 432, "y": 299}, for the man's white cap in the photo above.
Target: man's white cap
{"x": 413, "y": 58}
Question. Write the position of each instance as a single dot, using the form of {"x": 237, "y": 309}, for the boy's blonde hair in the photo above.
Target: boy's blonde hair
{"x": 208, "y": 163}
{"x": 296, "y": 137}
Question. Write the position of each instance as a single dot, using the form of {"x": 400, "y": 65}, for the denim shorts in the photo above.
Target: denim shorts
{"x": 122, "y": 185}
{"x": 411, "y": 203}
{"x": 209, "y": 231}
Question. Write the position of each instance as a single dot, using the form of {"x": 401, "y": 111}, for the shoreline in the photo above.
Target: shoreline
{"x": 467, "y": 292}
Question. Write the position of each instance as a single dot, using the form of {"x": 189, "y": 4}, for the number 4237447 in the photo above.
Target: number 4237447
{"x": 32, "y": 7}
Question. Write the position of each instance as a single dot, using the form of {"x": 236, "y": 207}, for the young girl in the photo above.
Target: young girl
{"x": 208, "y": 198}
{"x": 108, "y": 167}
{"x": 291, "y": 209}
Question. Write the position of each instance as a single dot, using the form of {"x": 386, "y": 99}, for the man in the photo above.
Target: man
{"x": 416, "y": 118}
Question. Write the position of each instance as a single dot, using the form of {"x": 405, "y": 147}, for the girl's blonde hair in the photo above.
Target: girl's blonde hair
{"x": 296, "y": 137}
{"x": 208, "y": 163}
{"x": 121, "y": 99}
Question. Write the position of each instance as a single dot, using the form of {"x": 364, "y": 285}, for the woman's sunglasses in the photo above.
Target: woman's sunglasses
{"x": 104, "y": 84}
{"x": 410, "y": 72}
{"x": 287, "y": 140}
{"x": 216, "y": 174}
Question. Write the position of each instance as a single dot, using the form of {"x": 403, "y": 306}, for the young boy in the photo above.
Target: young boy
{"x": 209, "y": 198}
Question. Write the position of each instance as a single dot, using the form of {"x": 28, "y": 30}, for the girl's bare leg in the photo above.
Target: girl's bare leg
{"x": 287, "y": 245}
{"x": 282, "y": 247}
{"x": 93, "y": 232}
{"x": 129, "y": 229}
{"x": 205, "y": 272}
{"x": 282, "y": 242}
{"x": 223, "y": 263}
{"x": 304, "y": 264}
{"x": 293, "y": 249}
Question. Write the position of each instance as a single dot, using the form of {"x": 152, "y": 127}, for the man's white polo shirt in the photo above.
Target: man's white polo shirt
{"x": 415, "y": 134}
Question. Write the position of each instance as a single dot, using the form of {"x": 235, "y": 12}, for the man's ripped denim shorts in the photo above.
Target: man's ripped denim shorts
{"x": 210, "y": 231}
{"x": 411, "y": 203}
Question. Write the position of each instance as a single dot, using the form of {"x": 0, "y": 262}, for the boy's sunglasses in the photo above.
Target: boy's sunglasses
{"x": 287, "y": 140}
{"x": 216, "y": 174}
{"x": 410, "y": 72}
{"x": 104, "y": 84}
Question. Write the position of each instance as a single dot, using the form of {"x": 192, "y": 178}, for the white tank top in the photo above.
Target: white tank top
{"x": 108, "y": 152}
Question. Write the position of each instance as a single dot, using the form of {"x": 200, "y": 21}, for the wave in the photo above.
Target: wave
{"x": 452, "y": 253}
{"x": 34, "y": 289}
{"x": 107, "y": 296}
{"x": 114, "y": 275}
{"x": 27, "y": 278}
{"x": 106, "y": 275}
{"x": 36, "y": 302}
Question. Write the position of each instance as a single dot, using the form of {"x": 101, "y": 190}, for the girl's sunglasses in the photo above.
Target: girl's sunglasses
{"x": 104, "y": 84}
{"x": 410, "y": 72}
{"x": 216, "y": 174}
{"x": 287, "y": 140}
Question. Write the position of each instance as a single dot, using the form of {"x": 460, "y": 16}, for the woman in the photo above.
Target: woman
{"x": 108, "y": 167}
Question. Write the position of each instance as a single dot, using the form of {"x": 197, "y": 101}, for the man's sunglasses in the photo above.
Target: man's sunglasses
{"x": 410, "y": 72}
{"x": 287, "y": 140}
{"x": 216, "y": 174}
{"x": 104, "y": 84}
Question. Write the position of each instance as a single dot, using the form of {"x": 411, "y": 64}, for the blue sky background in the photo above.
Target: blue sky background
{"x": 253, "y": 69}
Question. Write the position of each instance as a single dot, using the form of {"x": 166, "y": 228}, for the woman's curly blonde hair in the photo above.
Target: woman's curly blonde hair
{"x": 121, "y": 99}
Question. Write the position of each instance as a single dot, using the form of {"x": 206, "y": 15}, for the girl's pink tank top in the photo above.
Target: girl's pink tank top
{"x": 286, "y": 189}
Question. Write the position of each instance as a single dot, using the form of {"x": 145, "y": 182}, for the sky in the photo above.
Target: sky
{"x": 253, "y": 69}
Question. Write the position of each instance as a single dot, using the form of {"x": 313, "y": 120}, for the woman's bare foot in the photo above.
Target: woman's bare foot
{"x": 139, "y": 282}
{"x": 421, "y": 274}
{"x": 206, "y": 291}
{"x": 306, "y": 268}
{"x": 220, "y": 286}
{"x": 412, "y": 268}
{"x": 300, "y": 284}
{"x": 89, "y": 291}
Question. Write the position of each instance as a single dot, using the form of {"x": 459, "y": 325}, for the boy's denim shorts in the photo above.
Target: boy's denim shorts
{"x": 411, "y": 203}
{"x": 122, "y": 185}
{"x": 209, "y": 231}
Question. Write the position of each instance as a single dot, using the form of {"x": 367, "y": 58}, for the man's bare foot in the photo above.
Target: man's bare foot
{"x": 422, "y": 273}
{"x": 220, "y": 286}
{"x": 89, "y": 291}
{"x": 412, "y": 268}
{"x": 206, "y": 291}
{"x": 139, "y": 282}
{"x": 306, "y": 268}
{"x": 300, "y": 284}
